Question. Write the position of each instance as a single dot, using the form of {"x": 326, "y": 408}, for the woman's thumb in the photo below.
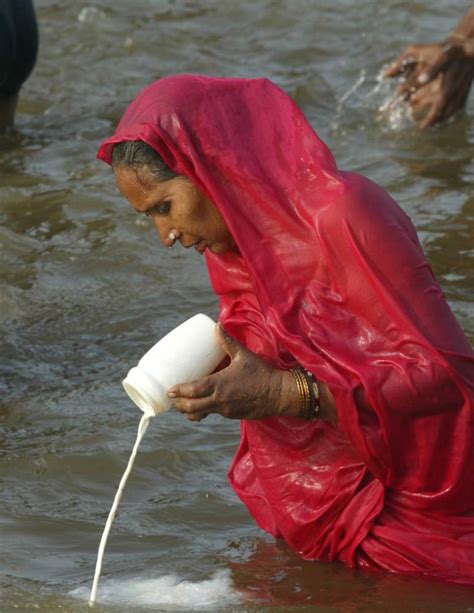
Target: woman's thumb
{"x": 227, "y": 342}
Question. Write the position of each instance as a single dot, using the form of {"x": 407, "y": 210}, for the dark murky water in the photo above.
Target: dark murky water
{"x": 86, "y": 288}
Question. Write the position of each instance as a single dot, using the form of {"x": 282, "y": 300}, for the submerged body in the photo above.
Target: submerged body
{"x": 326, "y": 272}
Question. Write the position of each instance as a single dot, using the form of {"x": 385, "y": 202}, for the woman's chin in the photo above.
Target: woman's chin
{"x": 220, "y": 248}
{"x": 217, "y": 248}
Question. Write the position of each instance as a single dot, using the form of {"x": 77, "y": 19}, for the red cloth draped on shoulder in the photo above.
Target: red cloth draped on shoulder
{"x": 330, "y": 275}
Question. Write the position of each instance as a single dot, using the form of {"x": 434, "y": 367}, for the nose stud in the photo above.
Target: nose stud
{"x": 172, "y": 236}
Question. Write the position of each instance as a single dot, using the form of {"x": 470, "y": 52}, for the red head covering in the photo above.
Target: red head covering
{"x": 330, "y": 275}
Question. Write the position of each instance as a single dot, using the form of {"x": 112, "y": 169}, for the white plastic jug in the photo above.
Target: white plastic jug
{"x": 187, "y": 353}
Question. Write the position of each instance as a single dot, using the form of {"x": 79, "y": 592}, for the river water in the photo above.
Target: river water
{"x": 86, "y": 287}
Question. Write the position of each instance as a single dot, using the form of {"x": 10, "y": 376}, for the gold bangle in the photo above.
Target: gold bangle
{"x": 307, "y": 398}
{"x": 299, "y": 384}
{"x": 307, "y": 413}
{"x": 314, "y": 392}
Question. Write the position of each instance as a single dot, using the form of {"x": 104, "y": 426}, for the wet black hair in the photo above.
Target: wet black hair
{"x": 137, "y": 154}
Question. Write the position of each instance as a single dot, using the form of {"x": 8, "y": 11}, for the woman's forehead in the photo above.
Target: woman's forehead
{"x": 140, "y": 187}
{"x": 133, "y": 184}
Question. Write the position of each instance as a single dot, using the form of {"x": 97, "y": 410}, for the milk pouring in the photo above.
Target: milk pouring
{"x": 187, "y": 353}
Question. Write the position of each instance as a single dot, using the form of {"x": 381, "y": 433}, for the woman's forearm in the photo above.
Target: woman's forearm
{"x": 463, "y": 34}
{"x": 465, "y": 28}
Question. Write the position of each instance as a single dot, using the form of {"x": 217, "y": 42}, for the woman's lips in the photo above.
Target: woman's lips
{"x": 201, "y": 246}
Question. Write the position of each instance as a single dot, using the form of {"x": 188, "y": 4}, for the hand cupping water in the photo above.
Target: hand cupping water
{"x": 437, "y": 77}
{"x": 437, "y": 80}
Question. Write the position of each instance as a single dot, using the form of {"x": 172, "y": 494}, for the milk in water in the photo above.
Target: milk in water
{"x": 186, "y": 354}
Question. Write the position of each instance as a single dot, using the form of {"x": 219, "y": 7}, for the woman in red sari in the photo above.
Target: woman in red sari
{"x": 319, "y": 274}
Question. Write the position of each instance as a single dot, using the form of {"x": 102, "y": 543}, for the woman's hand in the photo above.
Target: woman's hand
{"x": 437, "y": 81}
{"x": 249, "y": 388}
{"x": 437, "y": 77}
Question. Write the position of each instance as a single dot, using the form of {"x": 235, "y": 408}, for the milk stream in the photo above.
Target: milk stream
{"x": 142, "y": 427}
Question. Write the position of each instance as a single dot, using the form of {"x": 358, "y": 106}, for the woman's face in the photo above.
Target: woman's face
{"x": 179, "y": 210}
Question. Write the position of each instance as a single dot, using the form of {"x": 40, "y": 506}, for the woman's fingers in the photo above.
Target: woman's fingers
{"x": 196, "y": 389}
{"x": 196, "y": 400}
{"x": 432, "y": 70}
{"x": 196, "y": 417}
{"x": 440, "y": 62}
{"x": 195, "y": 406}
{"x": 444, "y": 100}
{"x": 434, "y": 115}
{"x": 400, "y": 65}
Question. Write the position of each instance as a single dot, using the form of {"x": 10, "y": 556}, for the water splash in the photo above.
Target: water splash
{"x": 393, "y": 111}
{"x": 360, "y": 81}
{"x": 168, "y": 590}
{"x": 90, "y": 14}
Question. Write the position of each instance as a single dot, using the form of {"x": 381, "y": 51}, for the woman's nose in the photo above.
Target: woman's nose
{"x": 168, "y": 235}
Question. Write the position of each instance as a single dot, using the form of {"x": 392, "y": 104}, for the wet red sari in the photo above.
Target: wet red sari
{"x": 331, "y": 276}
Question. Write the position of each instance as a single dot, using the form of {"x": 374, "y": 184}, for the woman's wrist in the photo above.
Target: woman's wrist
{"x": 309, "y": 393}
{"x": 298, "y": 395}
{"x": 465, "y": 27}
{"x": 289, "y": 397}
{"x": 288, "y": 403}
{"x": 463, "y": 35}
{"x": 460, "y": 45}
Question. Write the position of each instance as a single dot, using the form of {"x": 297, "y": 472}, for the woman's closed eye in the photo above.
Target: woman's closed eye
{"x": 162, "y": 208}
